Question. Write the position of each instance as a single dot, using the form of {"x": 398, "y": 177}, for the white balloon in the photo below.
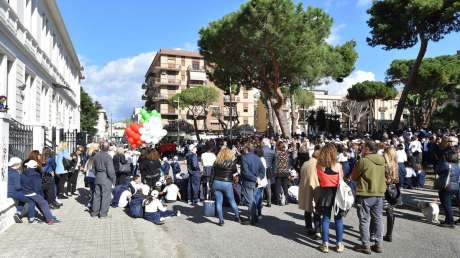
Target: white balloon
{"x": 163, "y": 133}
{"x": 141, "y": 130}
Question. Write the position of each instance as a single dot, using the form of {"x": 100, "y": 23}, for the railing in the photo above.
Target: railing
{"x": 20, "y": 140}
{"x": 227, "y": 99}
{"x": 169, "y": 66}
{"x": 196, "y": 68}
{"x": 167, "y": 81}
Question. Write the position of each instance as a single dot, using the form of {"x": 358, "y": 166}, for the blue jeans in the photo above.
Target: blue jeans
{"x": 258, "y": 201}
{"x": 42, "y": 205}
{"x": 402, "y": 173}
{"x": 220, "y": 188}
{"x": 19, "y": 196}
{"x": 325, "y": 225}
{"x": 446, "y": 200}
{"x": 155, "y": 217}
{"x": 249, "y": 193}
{"x": 193, "y": 190}
{"x": 421, "y": 179}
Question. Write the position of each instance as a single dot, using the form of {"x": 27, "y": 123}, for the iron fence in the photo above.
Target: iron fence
{"x": 20, "y": 140}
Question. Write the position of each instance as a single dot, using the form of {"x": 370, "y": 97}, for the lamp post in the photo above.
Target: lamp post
{"x": 178, "y": 116}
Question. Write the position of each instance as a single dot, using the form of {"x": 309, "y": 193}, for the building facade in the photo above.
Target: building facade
{"x": 40, "y": 76}
{"x": 174, "y": 70}
{"x": 102, "y": 125}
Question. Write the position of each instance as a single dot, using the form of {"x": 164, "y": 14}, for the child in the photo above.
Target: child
{"x": 154, "y": 210}
{"x": 420, "y": 175}
{"x": 175, "y": 165}
{"x": 171, "y": 191}
{"x": 165, "y": 167}
{"x": 411, "y": 176}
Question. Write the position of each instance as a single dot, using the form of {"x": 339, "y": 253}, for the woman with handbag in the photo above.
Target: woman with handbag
{"x": 448, "y": 172}
{"x": 329, "y": 174}
{"x": 121, "y": 166}
{"x": 222, "y": 176}
{"x": 393, "y": 191}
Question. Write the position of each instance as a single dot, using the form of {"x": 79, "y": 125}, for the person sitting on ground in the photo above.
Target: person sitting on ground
{"x": 154, "y": 210}
{"x": 171, "y": 191}
{"x": 411, "y": 176}
{"x": 16, "y": 192}
{"x": 31, "y": 182}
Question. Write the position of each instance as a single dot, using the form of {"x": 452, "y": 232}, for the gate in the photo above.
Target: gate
{"x": 70, "y": 137}
{"x": 20, "y": 140}
{"x": 50, "y": 138}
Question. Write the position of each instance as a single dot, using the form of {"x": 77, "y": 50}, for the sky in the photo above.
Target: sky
{"x": 116, "y": 41}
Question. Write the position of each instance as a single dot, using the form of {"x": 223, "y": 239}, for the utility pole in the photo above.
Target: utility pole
{"x": 178, "y": 119}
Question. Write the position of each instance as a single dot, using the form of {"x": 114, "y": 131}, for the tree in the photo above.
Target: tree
{"x": 401, "y": 24}
{"x": 196, "y": 100}
{"x": 302, "y": 98}
{"x": 353, "y": 111}
{"x": 369, "y": 91}
{"x": 434, "y": 85}
{"x": 89, "y": 113}
{"x": 271, "y": 44}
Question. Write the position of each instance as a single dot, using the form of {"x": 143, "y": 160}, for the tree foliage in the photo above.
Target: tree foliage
{"x": 401, "y": 24}
{"x": 89, "y": 113}
{"x": 434, "y": 84}
{"x": 270, "y": 44}
{"x": 196, "y": 100}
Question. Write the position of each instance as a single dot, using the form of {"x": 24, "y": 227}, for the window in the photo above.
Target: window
{"x": 382, "y": 115}
{"x": 196, "y": 65}
{"x": 245, "y": 108}
{"x": 182, "y": 60}
{"x": 171, "y": 109}
{"x": 245, "y": 95}
{"x": 320, "y": 103}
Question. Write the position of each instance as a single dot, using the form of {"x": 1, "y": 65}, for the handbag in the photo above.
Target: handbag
{"x": 442, "y": 183}
{"x": 392, "y": 194}
{"x": 263, "y": 183}
{"x": 124, "y": 168}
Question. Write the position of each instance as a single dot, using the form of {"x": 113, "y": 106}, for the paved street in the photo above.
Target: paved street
{"x": 279, "y": 234}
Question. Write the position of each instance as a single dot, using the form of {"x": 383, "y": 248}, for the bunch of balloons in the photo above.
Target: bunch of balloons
{"x": 150, "y": 130}
{"x": 133, "y": 134}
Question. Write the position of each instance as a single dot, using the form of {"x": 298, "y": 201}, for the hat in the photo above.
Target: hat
{"x": 154, "y": 193}
{"x": 14, "y": 161}
{"x": 165, "y": 159}
{"x": 31, "y": 164}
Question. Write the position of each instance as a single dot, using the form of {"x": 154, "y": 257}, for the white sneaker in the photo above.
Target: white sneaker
{"x": 178, "y": 213}
{"x": 162, "y": 219}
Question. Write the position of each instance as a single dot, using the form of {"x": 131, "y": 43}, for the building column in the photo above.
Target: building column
{"x": 6, "y": 204}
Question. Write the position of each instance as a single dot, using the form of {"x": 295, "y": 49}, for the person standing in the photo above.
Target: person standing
{"x": 193, "y": 190}
{"x": 401, "y": 158}
{"x": 222, "y": 174}
{"x": 119, "y": 160}
{"x": 369, "y": 173}
{"x": 105, "y": 178}
{"x": 76, "y": 169}
{"x": 281, "y": 173}
{"x": 208, "y": 158}
{"x": 270, "y": 160}
{"x": 152, "y": 168}
{"x": 392, "y": 178}
{"x": 252, "y": 171}
{"x": 63, "y": 164}
{"x": 329, "y": 173}
{"x": 308, "y": 189}
{"x": 49, "y": 168}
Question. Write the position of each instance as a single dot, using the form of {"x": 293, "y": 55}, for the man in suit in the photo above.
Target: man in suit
{"x": 105, "y": 179}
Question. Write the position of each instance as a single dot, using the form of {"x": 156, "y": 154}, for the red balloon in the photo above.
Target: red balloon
{"x": 130, "y": 140}
{"x": 129, "y": 132}
{"x": 135, "y": 127}
{"x": 136, "y": 136}
{"x": 139, "y": 142}
{"x": 134, "y": 146}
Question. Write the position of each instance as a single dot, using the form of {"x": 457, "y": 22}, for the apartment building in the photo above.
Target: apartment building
{"x": 40, "y": 76}
{"x": 175, "y": 70}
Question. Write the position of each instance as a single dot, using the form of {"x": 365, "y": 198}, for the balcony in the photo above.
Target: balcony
{"x": 196, "y": 68}
{"x": 167, "y": 82}
{"x": 162, "y": 98}
{"x": 168, "y": 67}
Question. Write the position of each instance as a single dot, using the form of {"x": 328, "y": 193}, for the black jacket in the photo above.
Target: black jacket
{"x": 117, "y": 159}
{"x": 152, "y": 168}
{"x": 224, "y": 171}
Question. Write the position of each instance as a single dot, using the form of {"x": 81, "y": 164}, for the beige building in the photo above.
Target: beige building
{"x": 174, "y": 70}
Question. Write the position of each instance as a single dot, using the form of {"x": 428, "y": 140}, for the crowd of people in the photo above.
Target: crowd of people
{"x": 314, "y": 172}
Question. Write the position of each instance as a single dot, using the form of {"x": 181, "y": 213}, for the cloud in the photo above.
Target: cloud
{"x": 117, "y": 84}
{"x": 364, "y": 3}
{"x": 334, "y": 37}
{"x": 336, "y": 88}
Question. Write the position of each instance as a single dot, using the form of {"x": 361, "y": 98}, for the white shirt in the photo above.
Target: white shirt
{"x": 410, "y": 172}
{"x": 401, "y": 156}
{"x": 171, "y": 192}
{"x": 293, "y": 192}
{"x": 208, "y": 159}
{"x": 415, "y": 146}
{"x": 342, "y": 158}
{"x": 124, "y": 198}
{"x": 154, "y": 206}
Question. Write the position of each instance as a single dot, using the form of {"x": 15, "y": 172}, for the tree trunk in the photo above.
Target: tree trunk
{"x": 280, "y": 113}
{"x": 410, "y": 82}
{"x": 294, "y": 116}
{"x": 195, "y": 124}
{"x": 271, "y": 120}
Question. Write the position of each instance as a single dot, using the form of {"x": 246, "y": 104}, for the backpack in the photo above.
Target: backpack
{"x": 135, "y": 206}
{"x": 344, "y": 198}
